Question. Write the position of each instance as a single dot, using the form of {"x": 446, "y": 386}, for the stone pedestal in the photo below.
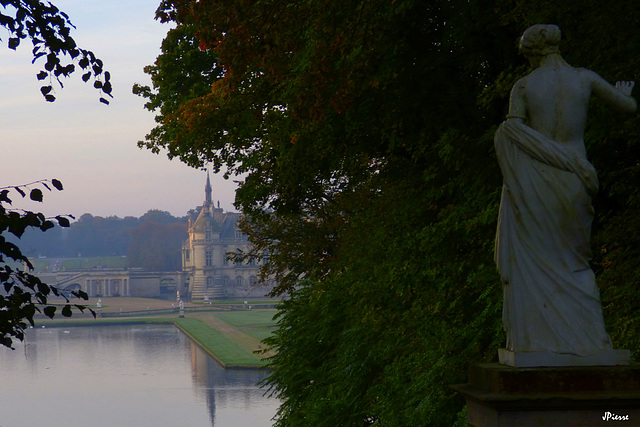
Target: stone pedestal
{"x": 503, "y": 396}
{"x": 531, "y": 359}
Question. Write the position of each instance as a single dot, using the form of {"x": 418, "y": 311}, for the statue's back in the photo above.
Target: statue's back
{"x": 557, "y": 99}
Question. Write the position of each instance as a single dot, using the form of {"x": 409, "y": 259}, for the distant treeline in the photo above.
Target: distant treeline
{"x": 152, "y": 241}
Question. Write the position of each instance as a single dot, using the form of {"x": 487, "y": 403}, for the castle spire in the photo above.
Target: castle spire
{"x": 207, "y": 192}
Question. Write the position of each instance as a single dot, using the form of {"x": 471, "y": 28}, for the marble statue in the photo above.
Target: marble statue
{"x": 551, "y": 302}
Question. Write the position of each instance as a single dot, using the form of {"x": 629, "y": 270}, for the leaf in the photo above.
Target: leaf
{"x": 13, "y": 43}
{"x": 68, "y": 69}
{"x": 47, "y": 225}
{"x": 16, "y": 227}
{"x": 86, "y": 77}
{"x": 50, "y": 311}
{"x": 66, "y": 311}
{"x": 104, "y": 101}
{"x": 57, "y": 184}
{"x": 64, "y": 222}
{"x": 80, "y": 294}
{"x": 4, "y": 196}
{"x": 50, "y": 98}
{"x": 45, "y": 90}
{"x": 43, "y": 288}
{"x": 42, "y": 75}
{"x": 36, "y": 195}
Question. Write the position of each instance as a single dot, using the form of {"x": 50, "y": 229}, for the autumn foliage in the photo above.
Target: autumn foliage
{"x": 364, "y": 130}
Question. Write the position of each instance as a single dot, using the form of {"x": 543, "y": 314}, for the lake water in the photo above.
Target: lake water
{"x": 126, "y": 376}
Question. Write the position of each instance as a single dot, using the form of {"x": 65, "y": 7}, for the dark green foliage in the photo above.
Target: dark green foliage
{"x": 23, "y": 294}
{"x": 49, "y": 30}
{"x": 365, "y": 130}
{"x": 181, "y": 73}
{"x": 382, "y": 339}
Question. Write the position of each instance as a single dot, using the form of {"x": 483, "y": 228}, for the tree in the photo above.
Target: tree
{"x": 365, "y": 130}
{"x": 157, "y": 246}
{"x": 181, "y": 72}
{"x": 98, "y": 236}
{"x": 95, "y": 236}
{"x": 25, "y": 294}
{"x": 156, "y": 215}
{"x": 49, "y": 29}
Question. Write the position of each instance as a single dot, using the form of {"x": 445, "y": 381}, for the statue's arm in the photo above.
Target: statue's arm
{"x": 517, "y": 102}
{"x": 618, "y": 96}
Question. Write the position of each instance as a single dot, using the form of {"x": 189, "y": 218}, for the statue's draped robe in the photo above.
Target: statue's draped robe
{"x": 551, "y": 302}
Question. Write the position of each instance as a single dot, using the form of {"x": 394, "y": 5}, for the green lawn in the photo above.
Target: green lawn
{"x": 40, "y": 265}
{"x": 218, "y": 345}
{"x": 88, "y": 263}
{"x": 258, "y": 324}
{"x": 44, "y": 265}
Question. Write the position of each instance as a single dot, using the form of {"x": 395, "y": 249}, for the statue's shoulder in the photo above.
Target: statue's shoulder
{"x": 520, "y": 85}
{"x": 585, "y": 73}
{"x": 522, "y": 82}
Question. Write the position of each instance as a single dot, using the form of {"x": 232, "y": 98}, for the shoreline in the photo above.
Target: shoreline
{"x": 229, "y": 345}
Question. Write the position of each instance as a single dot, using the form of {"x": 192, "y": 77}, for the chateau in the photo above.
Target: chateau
{"x": 213, "y": 234}
{"x": 206, "y": 272}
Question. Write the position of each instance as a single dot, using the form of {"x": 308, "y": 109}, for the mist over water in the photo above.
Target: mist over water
{"x": 130, "y": 375}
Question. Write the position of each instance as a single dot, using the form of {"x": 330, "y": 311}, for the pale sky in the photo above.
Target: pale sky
{"x": 89, "y": 146}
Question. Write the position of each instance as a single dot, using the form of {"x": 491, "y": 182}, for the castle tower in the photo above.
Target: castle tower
{"x": 212, "y": 234}
{"x": 207, "y": 192}
{"x": 202, "y": 252}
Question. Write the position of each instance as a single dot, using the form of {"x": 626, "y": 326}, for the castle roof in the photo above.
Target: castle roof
{"x": 214, "y": 218}
{"x": 206, "y": 220}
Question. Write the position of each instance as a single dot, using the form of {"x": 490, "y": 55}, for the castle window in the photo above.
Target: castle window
{"x": 238, "y": 235}
{"x": 207, "y": 234}
{"x": 252, "y": 280}
{"x": 208, "y": 258}
{"x": 239, "y": 281}
{"x": 186, "y": 254}
{"x": 209, "y": 282}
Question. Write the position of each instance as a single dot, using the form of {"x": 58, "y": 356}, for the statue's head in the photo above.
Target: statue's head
{"x": 539, "y": 41}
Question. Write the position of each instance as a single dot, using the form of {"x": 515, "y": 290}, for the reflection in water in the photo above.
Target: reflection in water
{"x": 142, "y": 375}
{"x": 232, "y": 393}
